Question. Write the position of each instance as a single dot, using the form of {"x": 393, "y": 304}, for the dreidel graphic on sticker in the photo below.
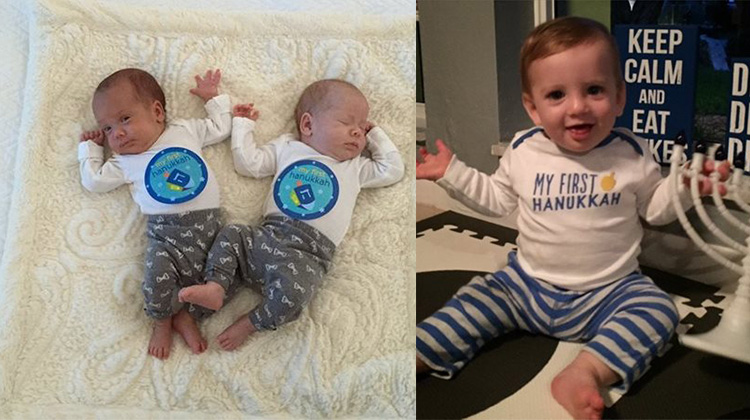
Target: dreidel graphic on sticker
{"x": 178, "y": 180}
{"x": 302, "y": 196}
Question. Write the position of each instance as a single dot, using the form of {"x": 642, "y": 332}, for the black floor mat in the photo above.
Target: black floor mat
{"x": 683, "y": 384}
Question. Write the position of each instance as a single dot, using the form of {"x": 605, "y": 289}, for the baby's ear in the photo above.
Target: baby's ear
{"x": 530, "y": 106}
{"x": 305, "y": 124}
{"x": 620, "y": 98}
{"x": 158, "y": 109}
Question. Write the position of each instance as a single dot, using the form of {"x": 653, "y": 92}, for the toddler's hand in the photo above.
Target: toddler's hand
{"x": 246, "y": 111}
{"x": 705, "y": 186}
{"x": 97, "y": 136}
{"x": 208, "y": 86}
{"x": 434, "y": 166}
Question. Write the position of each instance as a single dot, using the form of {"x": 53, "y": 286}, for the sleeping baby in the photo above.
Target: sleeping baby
{"x": 318, "y": 174}
{"x": 171, "y": 182}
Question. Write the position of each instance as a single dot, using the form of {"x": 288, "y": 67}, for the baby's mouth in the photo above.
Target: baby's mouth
{"x": 579, "y": 130}
{"x": 125, "y": 146}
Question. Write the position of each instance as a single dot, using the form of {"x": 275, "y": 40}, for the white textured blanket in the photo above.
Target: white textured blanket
{"x": 72, "y": 333}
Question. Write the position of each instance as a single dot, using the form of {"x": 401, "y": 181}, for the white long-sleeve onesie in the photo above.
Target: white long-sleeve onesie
{"x": 172, "y": 176}
{"x": 578, "y": 216}
{"x": 310, "y": 186}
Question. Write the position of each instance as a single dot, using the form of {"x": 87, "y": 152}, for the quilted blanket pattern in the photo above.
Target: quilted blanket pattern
{"x": 73, "y": 338}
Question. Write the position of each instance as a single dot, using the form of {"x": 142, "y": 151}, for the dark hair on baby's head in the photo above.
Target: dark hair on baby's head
{"x": 317, "y": 96}
{"x": 144, "y": 85}
{"x": 558, "y": 35}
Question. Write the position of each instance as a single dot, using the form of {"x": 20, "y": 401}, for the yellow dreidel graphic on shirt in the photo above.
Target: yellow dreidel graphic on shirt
{"x": 608, "y": 182}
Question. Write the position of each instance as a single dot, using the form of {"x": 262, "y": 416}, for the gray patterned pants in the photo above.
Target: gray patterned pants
{"x": 285, "y": 258}
{"x": 175, "y": 258}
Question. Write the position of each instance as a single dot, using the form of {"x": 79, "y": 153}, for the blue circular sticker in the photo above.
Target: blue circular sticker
{"x": 306, "y": 190}
{"x": 175, "y": 175}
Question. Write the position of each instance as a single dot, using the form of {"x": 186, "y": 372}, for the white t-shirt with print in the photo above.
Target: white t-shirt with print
{"x": 172, "y": 176}
{"x": 309, "y": 186}
{"x": 578, "y": 214}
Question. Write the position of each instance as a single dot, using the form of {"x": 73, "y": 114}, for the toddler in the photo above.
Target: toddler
{"x": 580, "y": 187}
{"x": 170, "y": 181}
{"x": 318, "y": 174}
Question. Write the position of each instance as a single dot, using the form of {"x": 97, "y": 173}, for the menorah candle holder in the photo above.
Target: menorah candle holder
{"x": 731, "y": 337}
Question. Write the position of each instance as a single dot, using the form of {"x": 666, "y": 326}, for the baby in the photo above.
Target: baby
{"x": 170, "y": 181}
{"x": 318, "y": 174}
{"x": 579, "y": 186}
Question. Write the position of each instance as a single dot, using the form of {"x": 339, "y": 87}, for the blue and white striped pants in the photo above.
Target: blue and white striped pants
{"x": 625, "y": 323}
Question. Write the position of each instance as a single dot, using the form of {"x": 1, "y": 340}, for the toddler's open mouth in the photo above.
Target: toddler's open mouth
{"x": 579, "y": 131}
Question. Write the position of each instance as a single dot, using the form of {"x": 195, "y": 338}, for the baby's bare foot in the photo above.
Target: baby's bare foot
{"x": 577, "y": 391}
{"x": 188, "y": 329}
{"x": 209, "y": 295}
{"x": 161, "y": 338}
{"x": 236, "y": 334}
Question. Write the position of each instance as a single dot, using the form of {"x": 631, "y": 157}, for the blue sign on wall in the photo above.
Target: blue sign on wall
{"x": 659, "y": 66}
{"x": 737, "y": 141}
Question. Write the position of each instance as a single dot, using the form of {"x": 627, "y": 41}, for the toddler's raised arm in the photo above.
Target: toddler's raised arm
{"x": 492, "y": 195}
{"x": 433, "y": 166}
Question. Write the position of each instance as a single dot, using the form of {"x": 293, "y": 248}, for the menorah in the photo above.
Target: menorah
{"x": 731, "y": 337}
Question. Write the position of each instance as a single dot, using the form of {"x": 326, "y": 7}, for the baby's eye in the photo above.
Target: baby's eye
{"x": 107, "y": 129}
{"x": 555, "y": 95}
{"x": 595, "y": 90}
{"x": 125, "y": 119}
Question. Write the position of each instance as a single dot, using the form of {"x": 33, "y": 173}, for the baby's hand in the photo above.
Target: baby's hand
{"x": 368, "y": 126}
{"x": 208, "y": 86}
{"x": 434, "y": 166}
{"x": 97, "y": 136}
{"x": 705, "y": 185}
{"x": 246, "y": 111}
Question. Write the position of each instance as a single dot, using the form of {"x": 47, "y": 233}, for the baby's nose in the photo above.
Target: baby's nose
{"x": 578, "y": 105}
